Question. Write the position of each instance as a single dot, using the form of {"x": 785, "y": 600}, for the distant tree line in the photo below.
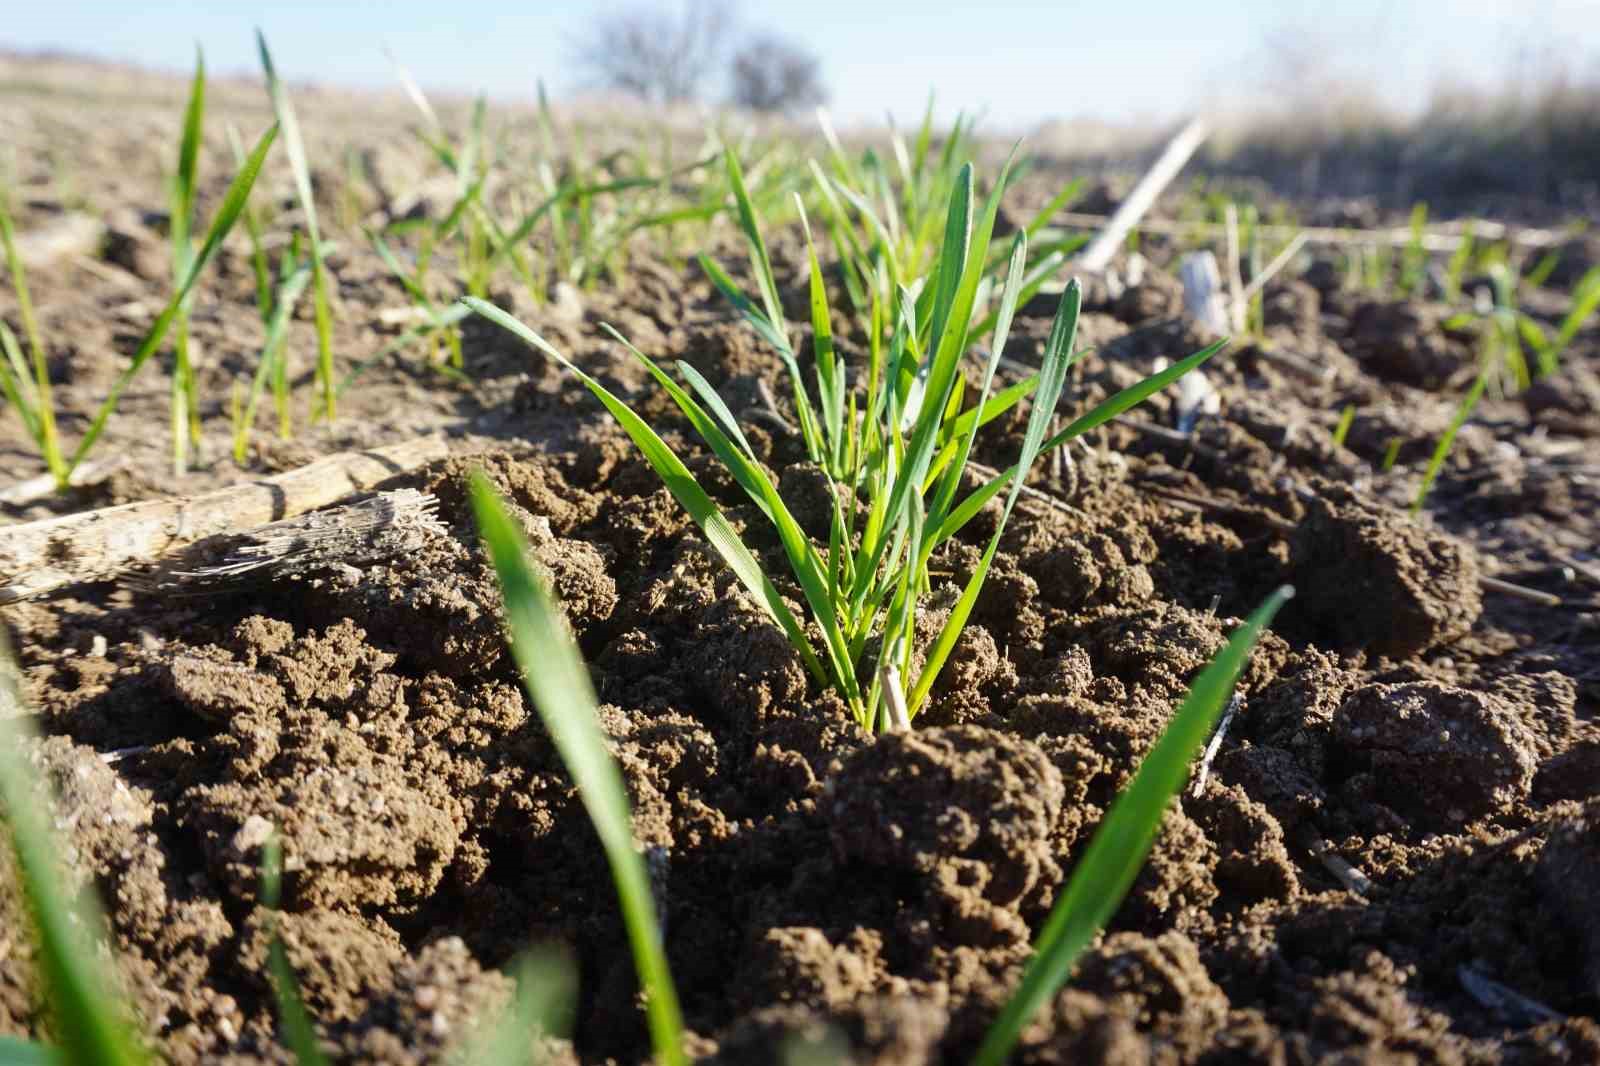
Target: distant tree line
{"x": 671, "y": 55}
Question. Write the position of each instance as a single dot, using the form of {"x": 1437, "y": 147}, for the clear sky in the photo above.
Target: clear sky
{"x": 1022, "y": 62}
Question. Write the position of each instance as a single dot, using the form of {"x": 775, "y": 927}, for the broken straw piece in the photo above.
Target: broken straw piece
{"x": 350, "y": 535}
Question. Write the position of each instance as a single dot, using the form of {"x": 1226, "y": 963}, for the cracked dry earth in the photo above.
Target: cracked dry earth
{"x": 1394, "y": 858}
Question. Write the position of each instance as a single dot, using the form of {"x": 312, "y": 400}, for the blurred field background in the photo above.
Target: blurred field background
{"x": 1477, "y": 107}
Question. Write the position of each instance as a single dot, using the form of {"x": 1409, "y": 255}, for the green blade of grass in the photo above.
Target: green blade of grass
{"x": 1542, "y": 269}
{"x": 962, "y": 440}
{"x": 965, "y": 256}
{"x": 555, "y": 678}
{"x": 953, "y": 146}
{"x": 47, "y": 437}
{"x": 1533, "y": 335}
{"x": 467, "y": 201}
{"x": 1513, "y": 359}
{"x": 442, "y": 320}
{"x": 1347, "y": 418}
{"x": 88, "y": 1021}
{"x": 837, "y": 158}
{"x": 844, "y": 235}
{"x": 293, "y": 145}
{"x": 898, "y": 629}
{"x": 902, "y": 161}
{"x": 15, "y": 384}
{"x": 1034, "y": 280}
{"x": 505, "y": 244}
{"x": 185, "y": 181}
{"x": 1390, "y": 454}
{"x": 953, "y": 258}
{"x": 681, "y": 483}
{"x": 271, "y": 350}
{"x": 392, "y": 261}
{"x": 1585, "y": 301}
{"x": 719, "y": 407}
{"x": 995, "y": 406}
{"x": 1119, "y": 847}
{"x": 1441, "y": 451}
{"x": 1105, "y": 411}
{"x": 1068, "y": 193}
{"x": 1058, "y": 357}
{"x": 777, "y": 334}
{"x": 252, "y": 225}
{"x": 882, "y": 239}
{"x": 296, "y": 150}
{"x": 298, "y": 1031}
{"x": 830, "y": 371}
{"x": 975, "y": 418}
{"x": 760, "y": 261}
{"x": 546, "y": 990}
{"x": 745, "y": 306}
{"x": 915, "y": 575}
{"x": 227, "y": 214}
{"x": 440, "y": 148}
{"x": 808, "y": 567}
{"x": 1132, "y": 396}
{"x": 885, "y": 196}
{"x": 185, "y": 395}
{"x": 962, "y": 258}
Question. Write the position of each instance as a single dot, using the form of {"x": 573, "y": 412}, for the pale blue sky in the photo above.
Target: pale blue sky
{"x": 1022, "y": 62}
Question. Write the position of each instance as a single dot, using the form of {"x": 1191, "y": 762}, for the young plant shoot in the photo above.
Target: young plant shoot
{"x": 893, "y": 449}
{"x": 185, "y": 393}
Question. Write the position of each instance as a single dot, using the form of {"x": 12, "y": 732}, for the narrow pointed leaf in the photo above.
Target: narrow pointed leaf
{"x": 773, "y": 335}
{"x": 963, "y": 442}
{"x": 679, "y": 481}
{"x": 1058, "y": 357}
{"x": 295, "y": 149}
{"x": 188, "y": 163}
{"x": 277, "y": 328}
{"x": 760, "y": 262}
{"x": 830, "y": 386}
{"x": 804, "y": 560}
{"x": 554, "y": 675}
{"x": 227, "y": 214}
{"x": 943, "y": 365}
{"x": 1441, "y": 451}
{"x": 442, "y": 320}
{"x": 719, "y": 407}
{"x": 1119, "y": 847}
{"x": 88, "y": 1020}
{"x": 977, "y": 417}
{"x": 1132, "y": 396}
{"x": 299, "y": 1032}
{"x": 1104, "y": 412}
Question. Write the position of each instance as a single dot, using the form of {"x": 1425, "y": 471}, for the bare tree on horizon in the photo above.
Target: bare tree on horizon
{"x": 655, "y": 53}
{"x": 773, "y": 73}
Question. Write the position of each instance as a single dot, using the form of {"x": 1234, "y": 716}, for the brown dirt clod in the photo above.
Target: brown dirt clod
{"x": 1440, "y": 755}
{"x": 1372, "y": 578}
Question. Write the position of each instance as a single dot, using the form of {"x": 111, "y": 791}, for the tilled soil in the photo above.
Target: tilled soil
{"x": 1393, "y": 858}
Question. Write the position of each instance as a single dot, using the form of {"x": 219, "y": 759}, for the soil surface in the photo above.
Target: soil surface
{"x": 1393, "y": 858}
